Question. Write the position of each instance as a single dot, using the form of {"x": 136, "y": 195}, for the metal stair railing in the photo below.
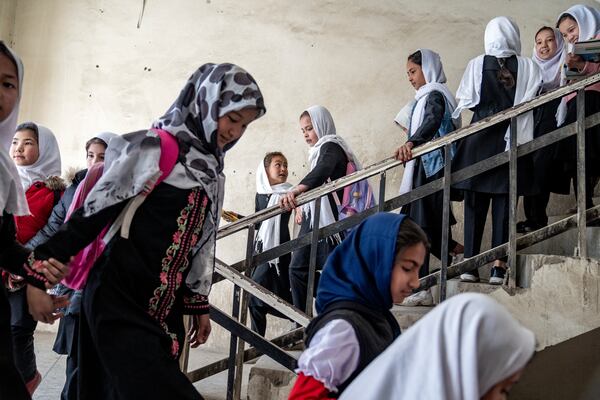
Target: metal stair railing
{"x": 238, "y": 273}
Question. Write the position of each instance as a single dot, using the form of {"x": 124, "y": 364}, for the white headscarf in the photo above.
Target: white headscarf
{"x": 502, "y": 39}
{"x": 324, "y": 127}
{"x": 7, "y": 127}
{"x": 468, "y": 344}
{"x": 435, "y": 79}
{"x": 105, "y": 137}
{"x": 12, "y": 196}
{"x": 48, "y": 162}
{"x": 268, "y": 233}
{"x": 403, "y": 116}
{"x": 551, "y": 68}
{"x": 588, "y": 21}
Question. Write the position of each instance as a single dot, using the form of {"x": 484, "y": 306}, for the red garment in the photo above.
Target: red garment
{"x": 41, "y": 201}
{"x": 307, "y": 387}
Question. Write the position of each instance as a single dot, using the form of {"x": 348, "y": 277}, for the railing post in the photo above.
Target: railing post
{"x": 381, "y": 204}
{"x": 239, "y": 361}
{"x": 312, "y": 265}
{"x": 445, "y": 221}
{"x": 512, "y": 205}
{"x": 581, "y": 178}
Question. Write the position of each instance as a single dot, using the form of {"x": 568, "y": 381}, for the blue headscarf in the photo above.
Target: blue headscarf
{"x": 360, "y": 268}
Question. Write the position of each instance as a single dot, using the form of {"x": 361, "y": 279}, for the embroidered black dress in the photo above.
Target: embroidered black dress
{"x": 131, "y": 329}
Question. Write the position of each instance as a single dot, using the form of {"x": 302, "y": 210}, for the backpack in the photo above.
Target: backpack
{"x": 86, "y": 258}
{"x": 357, "y": 196}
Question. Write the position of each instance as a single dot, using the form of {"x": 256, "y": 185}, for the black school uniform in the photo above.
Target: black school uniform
{"x": 427, "y": 212}
{"x": 332, "y": 164}
{"x": 491, "y": 186}
{"x": 12, "y": 255}
{"x": 275, "y": 279}
{"x": 131, "y": 327}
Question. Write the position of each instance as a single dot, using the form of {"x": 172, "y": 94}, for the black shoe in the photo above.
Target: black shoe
{"x": 497, "y": 275}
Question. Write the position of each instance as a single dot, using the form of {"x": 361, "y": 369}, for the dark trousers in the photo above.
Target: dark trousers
{"x": 535, "y": 208}
{"x": 476, "y": 208}
{"x": 70, "y": 390}
{"x": 299, "y": 271}
{"x": 22, "y": 327}
{"x": 435, "y": 240}
{"x": 266, "y": 276}
{"x": 11, "y": 383}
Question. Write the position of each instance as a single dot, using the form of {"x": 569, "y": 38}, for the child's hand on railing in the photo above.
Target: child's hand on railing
{"x": 404, "y": 152}
{"x": 230, "y": 216}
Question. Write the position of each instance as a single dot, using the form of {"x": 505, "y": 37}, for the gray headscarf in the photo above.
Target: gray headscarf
{"x": 132, "y": 159}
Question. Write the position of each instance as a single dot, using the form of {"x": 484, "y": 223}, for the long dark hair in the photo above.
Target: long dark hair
{"x": 505, "y": 77}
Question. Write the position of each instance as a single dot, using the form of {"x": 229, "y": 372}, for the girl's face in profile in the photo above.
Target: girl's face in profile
{"x": 501, "y": 390}
{"x": 9, "y": 86}
{"x": 277, "y": 171}
{"x": 545, "y": 44}
{"x": 415, "y": 75}
{"x": 232, "y": 125}
{"x": 405, "y": 272}
{"x": 570, "y": 30}
{"x": 25, "y": 149}
{"x": 310, "y": 135}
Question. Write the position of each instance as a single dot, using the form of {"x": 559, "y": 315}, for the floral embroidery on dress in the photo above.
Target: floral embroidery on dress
{"x": 175, "y": 261}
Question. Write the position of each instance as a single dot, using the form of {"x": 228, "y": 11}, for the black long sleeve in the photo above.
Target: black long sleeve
{"x": 433, "y": 115}
{"x": 13, "y": 256}
{"x": 331, "y": 164}
{"x": 77, "y": 233}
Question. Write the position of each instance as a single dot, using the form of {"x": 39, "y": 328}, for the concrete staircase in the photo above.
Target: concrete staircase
{"x": 558, "y": 298}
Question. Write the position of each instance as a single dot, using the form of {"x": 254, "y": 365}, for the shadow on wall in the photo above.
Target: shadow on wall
{"x": 567, "y": 371}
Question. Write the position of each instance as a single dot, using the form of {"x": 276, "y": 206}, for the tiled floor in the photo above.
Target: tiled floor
{"x": 52, "y": 368}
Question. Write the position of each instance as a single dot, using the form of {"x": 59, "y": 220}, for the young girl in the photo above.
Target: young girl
{"x": 329, "y": 156}
{"x": 36, "y": 154}
{"x": 67, "y": 335}
{"x": 271, "y": 177}
{"x": 376, "y": 266}
{"x": 159, "y": 264}
{"x": 430, "y": 118}
{"x": 491, "y": 83}
{"x": 548, "y": 54}
{"x": 470, "y": 346}
{"x": 580, "y": 23}
{"x": 13, "y": 203}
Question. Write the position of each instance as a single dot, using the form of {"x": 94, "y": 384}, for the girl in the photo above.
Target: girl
{"x": 66, "y": 337}
{"x": 159, "y": 264}
{"x": 271, "y": 177}
{"x": 376, "y": 266}
{"x": 491, "y": 83}
{"x": 431, "y": 117}
{"x": 329, "y": 156}
{"x": 472, "y": 348}
{"x": 36, "y": 154}
{"x": 581, "y": 23}
{"x": 548, "y": 54}
{"x": 13, "y": 203}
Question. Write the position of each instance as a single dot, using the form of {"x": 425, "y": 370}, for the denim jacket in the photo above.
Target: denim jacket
{"x": 433, "y": 162}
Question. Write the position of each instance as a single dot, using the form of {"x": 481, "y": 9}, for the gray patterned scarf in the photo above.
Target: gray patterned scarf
{"x": 131, "y": 165}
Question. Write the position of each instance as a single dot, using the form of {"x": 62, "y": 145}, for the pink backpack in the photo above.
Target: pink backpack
{"x": 86, "y": 258}
{"x": 357, "y": 197}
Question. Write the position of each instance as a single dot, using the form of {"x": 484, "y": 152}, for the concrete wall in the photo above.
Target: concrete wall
{"x": 89, "y": 68}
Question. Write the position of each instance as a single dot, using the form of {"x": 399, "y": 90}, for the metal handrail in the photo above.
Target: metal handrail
{"x": 391, "y": 162}
{"x": 236, "y": 323}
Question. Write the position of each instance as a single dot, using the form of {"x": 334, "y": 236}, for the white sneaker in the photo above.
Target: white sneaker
{"x": 422, "y": 298}
{"x": 469, "y": 278}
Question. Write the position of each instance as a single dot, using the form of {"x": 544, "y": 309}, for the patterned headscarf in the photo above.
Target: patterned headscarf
{"x": 132, "y": 160}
